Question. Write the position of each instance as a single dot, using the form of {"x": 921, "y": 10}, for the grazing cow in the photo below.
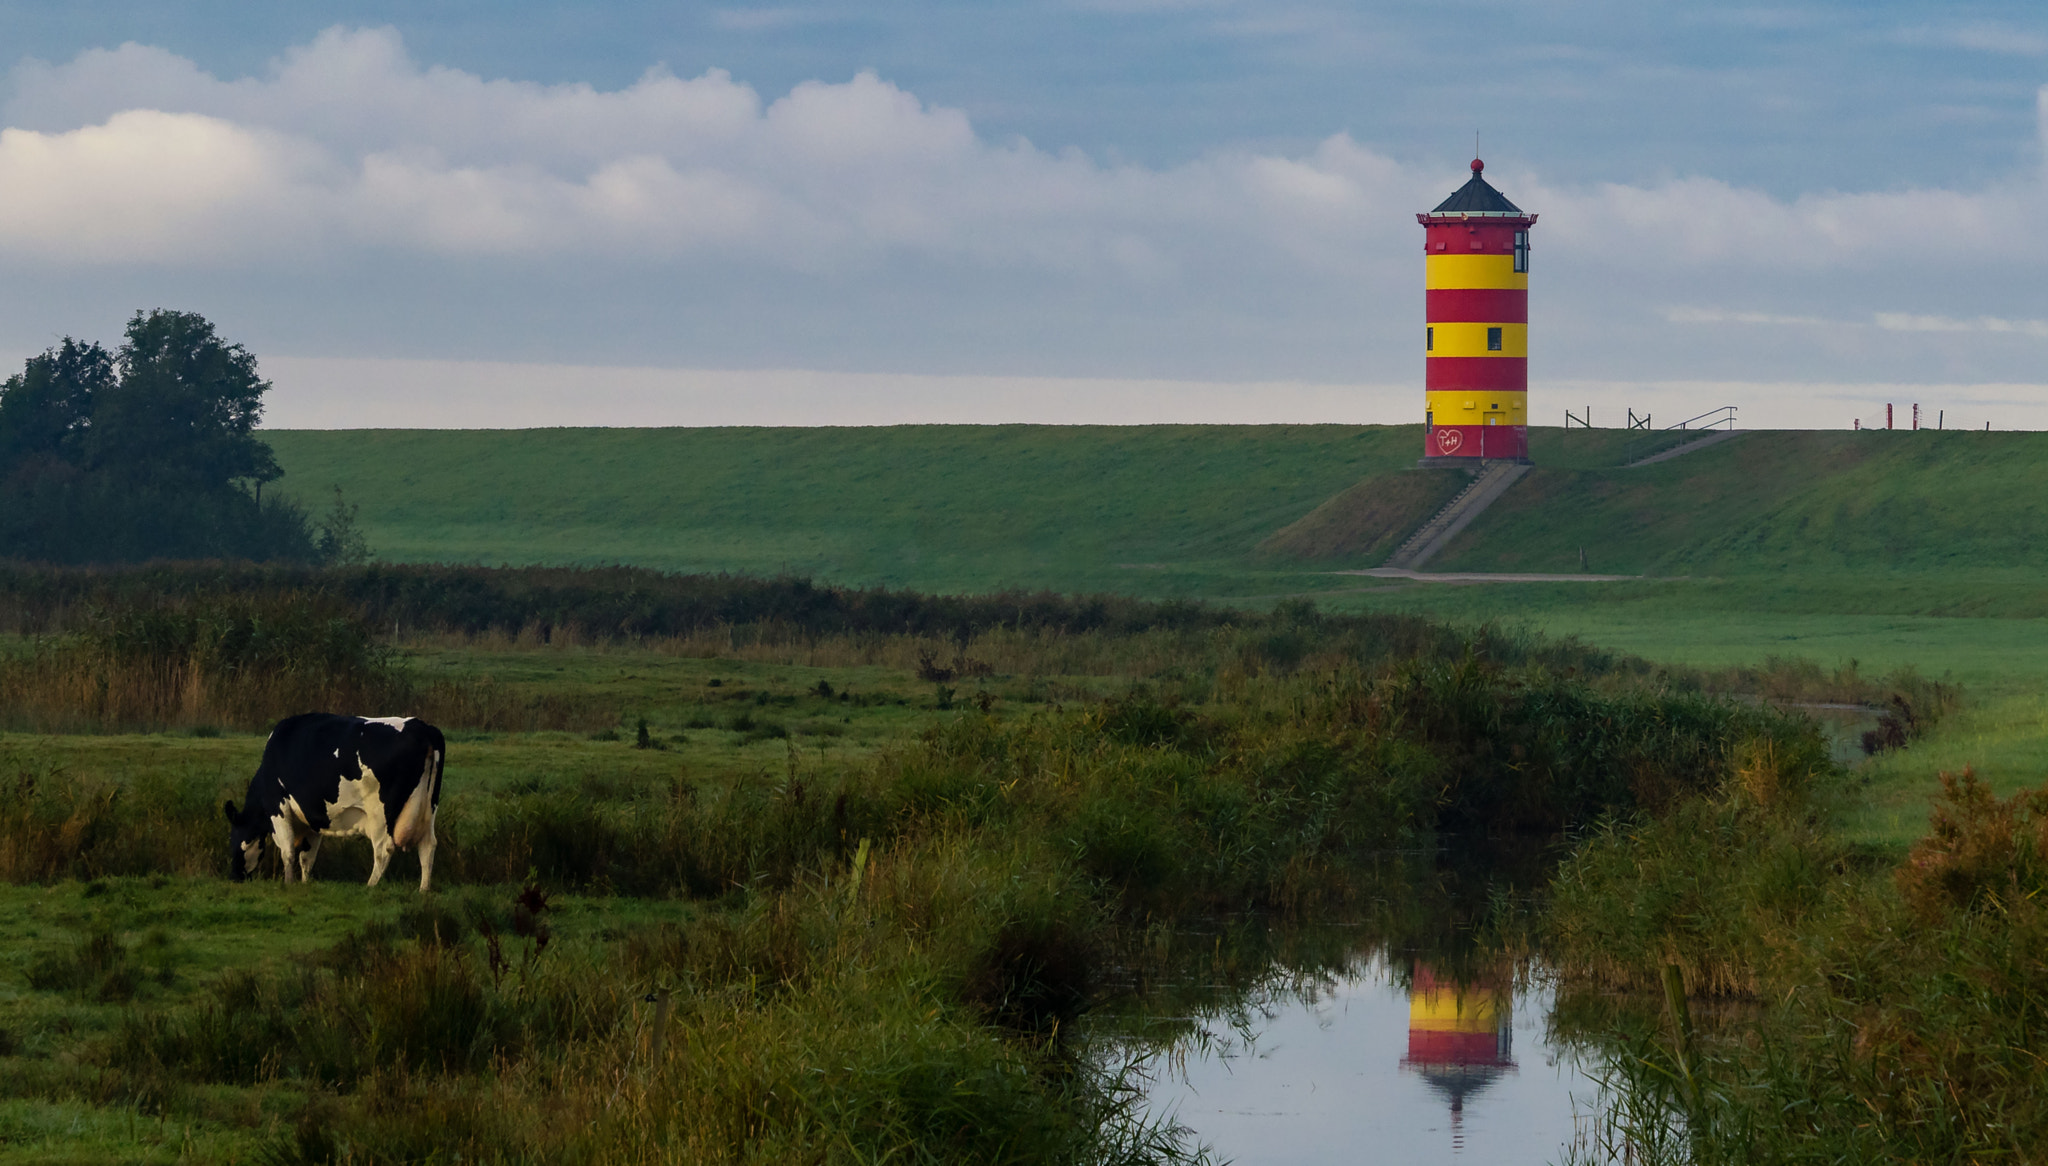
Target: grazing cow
{"x": 322, "y": 774}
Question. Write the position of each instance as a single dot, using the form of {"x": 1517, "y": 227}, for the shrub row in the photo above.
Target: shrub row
{"x": 637, "y": 603}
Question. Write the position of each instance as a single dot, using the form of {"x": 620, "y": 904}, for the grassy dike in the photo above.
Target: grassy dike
{"x": 878, "y": 896}
{"x": 1190, "y": 510}
{"x": 1149, "y": 510}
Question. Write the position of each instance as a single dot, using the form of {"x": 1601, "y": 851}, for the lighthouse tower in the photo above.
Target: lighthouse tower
{"x": 1477, "y": 275}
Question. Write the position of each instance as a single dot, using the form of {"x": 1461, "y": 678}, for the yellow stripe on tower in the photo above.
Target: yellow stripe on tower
{"x": 1470, "y": 340}
{"x": 1470, "y": 407}
{"x": 1462, "y": 271}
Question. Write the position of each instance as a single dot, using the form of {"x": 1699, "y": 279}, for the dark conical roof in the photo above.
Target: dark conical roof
{"x": 1477, "y": 197}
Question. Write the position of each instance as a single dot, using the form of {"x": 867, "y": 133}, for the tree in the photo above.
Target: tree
{"x": 341, "y": 542}
{"x": 147, "y": 453}
{"x": 184, "y": 410}
{"x": 46, "y": 409}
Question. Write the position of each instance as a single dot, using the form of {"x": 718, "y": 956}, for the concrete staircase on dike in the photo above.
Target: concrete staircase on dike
{"x": 1714, "y": 438}
{"x": 1457, "y": 514}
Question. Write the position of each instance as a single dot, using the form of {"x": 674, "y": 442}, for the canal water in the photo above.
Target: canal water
{"x": 1388, "y": 1060}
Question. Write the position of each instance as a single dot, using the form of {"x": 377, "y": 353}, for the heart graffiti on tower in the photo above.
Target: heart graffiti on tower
{"x": 1448, "y": 440}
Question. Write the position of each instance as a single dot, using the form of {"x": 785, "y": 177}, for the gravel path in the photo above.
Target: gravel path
{"x": 1485, "y": 577}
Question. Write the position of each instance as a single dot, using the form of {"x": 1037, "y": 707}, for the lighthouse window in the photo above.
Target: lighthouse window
{"x": 1429, "y": 342}
{"x": 1493, "y": 340}
{"x": 1522, "y": 251}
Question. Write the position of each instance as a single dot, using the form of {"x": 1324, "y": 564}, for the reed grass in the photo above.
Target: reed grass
{"x": 211, "y": 660}
{"x": 834, "y": 1021}
{"x": 1902, "y": 1009}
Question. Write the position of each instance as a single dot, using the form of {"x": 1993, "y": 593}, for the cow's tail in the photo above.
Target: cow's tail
{"x": 417, "y": 818}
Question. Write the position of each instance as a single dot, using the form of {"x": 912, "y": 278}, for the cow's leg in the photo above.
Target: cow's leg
{"x": 380, "y": 850}
{"x": 287, "y": 839}
{"x": 427, "y": 857}
{"x": 306, "y": 858}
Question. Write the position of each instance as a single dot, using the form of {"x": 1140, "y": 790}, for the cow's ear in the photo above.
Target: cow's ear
{"x": 230, "y": 808}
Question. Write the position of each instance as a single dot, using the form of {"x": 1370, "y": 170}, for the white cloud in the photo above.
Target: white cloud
{"x": 327, "y": 393}
{"x": 1723, "y": 316}
{"x": 350, "y": 138}
{"x": 1886, "y": 321}
{"x": 149, "y": 185}
{"x": 385, "y": 153}
{"x": 1703, "y": 221}
{"x": 850, "y": 212}
{"x": 1905, "y": 322}
{"x": 1981, "y": 37}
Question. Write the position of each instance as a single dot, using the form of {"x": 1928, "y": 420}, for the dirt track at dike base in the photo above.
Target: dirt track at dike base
{"x": 1485, "y": 576}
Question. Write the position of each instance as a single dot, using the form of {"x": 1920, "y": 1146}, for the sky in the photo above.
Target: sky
{"x": 1082, "y": 211}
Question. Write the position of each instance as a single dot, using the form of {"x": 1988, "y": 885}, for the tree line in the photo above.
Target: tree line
{"x": 149, "y": 452}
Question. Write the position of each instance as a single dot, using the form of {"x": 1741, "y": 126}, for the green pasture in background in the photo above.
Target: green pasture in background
{"x": 937, "y": 508}
{"x": 1798, "y": 502}
{"x": 1936, "y": 517}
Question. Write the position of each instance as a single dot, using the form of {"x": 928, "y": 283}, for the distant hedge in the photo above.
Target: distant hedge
{"x": 637, "y": 603}
{"x": 628, "y": 602}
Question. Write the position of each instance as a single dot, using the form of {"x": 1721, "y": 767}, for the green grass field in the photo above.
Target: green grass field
{"x": 1886, "y": 548}
{"x": 942, "y": 508}
{"x": 722, "y": 728}
{"x": 1809, "y": 503}
{"x": 1162, "y": 509}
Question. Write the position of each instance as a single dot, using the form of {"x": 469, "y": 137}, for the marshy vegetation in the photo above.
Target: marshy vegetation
{"x": 1858, "y": 1006}
{"x": 734, "y": 874}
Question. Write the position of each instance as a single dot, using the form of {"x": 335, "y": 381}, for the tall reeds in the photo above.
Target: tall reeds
{"x": 221, "y": 661}
{"x": 56, "y": 825}
{"x": 1899, "y": 1012}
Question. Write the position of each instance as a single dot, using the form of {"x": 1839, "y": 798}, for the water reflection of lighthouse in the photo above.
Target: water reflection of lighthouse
{"x": 1460, "y": 1038}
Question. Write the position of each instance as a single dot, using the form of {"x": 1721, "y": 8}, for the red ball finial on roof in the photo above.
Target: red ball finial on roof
{"x": 1477, "y": 165}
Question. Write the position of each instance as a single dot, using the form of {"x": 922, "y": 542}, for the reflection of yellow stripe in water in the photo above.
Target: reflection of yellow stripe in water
{"x": 1456, "y": 271}
{"x": 1470, "y": 340}
{"x": 1445, "y": 1011}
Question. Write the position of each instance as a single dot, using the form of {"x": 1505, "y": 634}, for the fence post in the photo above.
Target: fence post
{"x": 663, "y": 998}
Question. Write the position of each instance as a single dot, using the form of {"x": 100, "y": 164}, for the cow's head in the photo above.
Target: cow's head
{"x": 245, "y": 844}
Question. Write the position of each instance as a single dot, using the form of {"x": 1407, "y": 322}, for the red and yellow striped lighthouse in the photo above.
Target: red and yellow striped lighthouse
{"x": 1477, "y": 338}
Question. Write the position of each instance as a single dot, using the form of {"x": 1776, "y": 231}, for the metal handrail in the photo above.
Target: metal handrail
{"x": 1729, "y": 410}
{"x": 1724, "y": 414}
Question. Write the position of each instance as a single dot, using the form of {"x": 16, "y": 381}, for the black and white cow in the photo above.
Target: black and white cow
{"x": 323, "y": 774}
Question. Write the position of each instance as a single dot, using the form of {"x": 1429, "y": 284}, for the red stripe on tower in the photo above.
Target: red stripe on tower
{"x": 1478, "y": 305}
{"x": 1479, "y": 374}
